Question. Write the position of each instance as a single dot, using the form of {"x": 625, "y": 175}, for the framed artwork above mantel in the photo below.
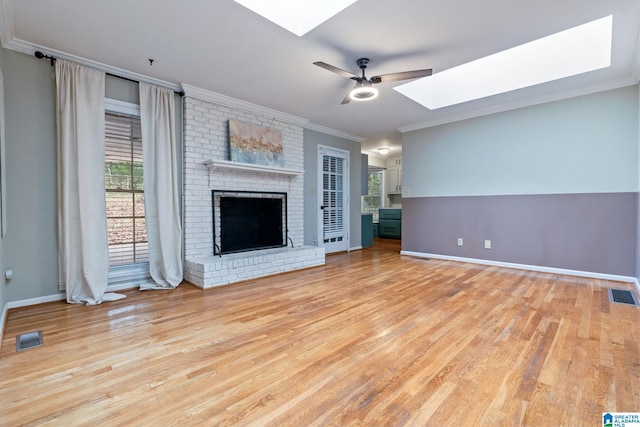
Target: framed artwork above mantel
{"x": 253, "y": 144}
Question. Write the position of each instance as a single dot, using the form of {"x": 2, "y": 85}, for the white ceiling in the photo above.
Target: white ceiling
{"x": 223, "y": 47}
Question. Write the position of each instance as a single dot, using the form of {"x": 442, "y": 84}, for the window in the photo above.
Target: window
{"x": 123, "y": 170}
{"x": 373, "y": 200}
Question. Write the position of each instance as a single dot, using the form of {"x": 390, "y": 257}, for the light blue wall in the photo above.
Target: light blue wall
{"x": 553, "y": 185}
{"x": 30, "y": 245}
{"x": 587, "y": 144}
{"x": 311, "y": 209}
{"x": 638, "y": 207}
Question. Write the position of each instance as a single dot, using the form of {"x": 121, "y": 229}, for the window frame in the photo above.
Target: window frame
{"x": 124, "y": 275}
{"x": 375, "y": 211}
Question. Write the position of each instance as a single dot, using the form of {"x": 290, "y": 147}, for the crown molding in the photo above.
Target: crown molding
{"x": 32, "y": 48}
{"x": 21, "y": 46}
{"x": 13, "y": 43}
{"x": 334, "y": 132}
{"x": 635, "y": 67}
{"x": 227, "y": 101}
{"x": 6, "y": 22}
{"x": 551, "y": 97}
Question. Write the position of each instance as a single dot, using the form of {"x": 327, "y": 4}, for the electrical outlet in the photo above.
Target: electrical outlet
{"x": 487, "y": 244}
{"x": 460, "y": 241}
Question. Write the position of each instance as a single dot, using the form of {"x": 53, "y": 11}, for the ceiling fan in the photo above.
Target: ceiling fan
{"x": 364, "y": 89}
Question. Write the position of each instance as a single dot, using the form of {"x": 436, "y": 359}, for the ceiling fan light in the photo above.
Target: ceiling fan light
{"x": 363, "y": 93}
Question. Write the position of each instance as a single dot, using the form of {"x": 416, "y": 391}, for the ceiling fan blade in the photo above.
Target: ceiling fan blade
{"x": 346, "y": 99}
{"x": 403, "y": 75}
{"x": 336, "y": 70}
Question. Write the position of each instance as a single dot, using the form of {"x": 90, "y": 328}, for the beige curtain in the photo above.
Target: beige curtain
{"x": 161, "y": 198}
{"x": 83, "y": 257}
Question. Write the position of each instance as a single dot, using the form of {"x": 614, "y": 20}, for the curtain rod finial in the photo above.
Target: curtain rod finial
{"x": 41, "y": 55}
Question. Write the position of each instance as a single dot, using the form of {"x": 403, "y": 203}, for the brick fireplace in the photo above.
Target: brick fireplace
{"x": 207, "y": 168}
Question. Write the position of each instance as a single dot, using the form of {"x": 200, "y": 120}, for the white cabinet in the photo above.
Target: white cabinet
{"x": 394, "y": 175}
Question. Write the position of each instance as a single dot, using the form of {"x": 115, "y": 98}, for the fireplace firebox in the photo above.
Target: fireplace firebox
{"x": 247, "y": 221}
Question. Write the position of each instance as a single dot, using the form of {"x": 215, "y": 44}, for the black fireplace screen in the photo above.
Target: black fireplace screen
{"x": 246, "y": 221}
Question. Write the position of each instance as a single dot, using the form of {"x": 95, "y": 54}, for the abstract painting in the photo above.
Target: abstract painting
{"x": 255, "y": 144}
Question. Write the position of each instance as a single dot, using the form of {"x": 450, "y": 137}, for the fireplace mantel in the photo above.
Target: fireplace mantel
{"x": 213, "y": 165}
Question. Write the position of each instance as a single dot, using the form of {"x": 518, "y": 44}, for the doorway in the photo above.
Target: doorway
{"x": 333, "y": 199}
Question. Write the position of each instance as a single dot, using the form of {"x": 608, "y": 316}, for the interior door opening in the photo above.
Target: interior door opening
{"x": 333, "y": 199}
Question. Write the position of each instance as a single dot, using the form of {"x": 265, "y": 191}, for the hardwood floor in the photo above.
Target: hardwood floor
{"x": 372, "y": 338}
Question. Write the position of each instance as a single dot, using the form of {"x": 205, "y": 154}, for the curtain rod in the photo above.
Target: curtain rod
{"x": 52, "y": 59}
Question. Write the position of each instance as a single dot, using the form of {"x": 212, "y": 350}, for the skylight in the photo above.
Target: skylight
{"x": 574, "y": 51}
{"x": 297, "y": 16}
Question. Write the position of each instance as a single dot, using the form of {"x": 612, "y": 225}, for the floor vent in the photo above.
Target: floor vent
{"x": 622, "y": 297}
{"x": 29, "y": 340}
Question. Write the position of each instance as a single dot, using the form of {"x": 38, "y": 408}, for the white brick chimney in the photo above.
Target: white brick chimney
{"x": 206, "y": 139}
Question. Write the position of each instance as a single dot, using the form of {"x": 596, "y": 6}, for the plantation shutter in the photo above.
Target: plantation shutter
{"x": 332, "y": 197}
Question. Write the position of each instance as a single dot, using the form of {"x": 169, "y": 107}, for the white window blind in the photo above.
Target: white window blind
{"x": 125, "y": 191}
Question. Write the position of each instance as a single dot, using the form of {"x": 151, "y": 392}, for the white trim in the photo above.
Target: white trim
{"x": 635, "y": 282}
{"x": 3, "y": 322}
{"x": 134, "y": 284}
{"x": 37, "y": 300}
{"x": 563, "y": 271}
{"x": 508, "y": 106}
{"x": 355, "y": 248}
{"x": 121, "y": 107}
{"x": 62, "y": 296}
{"x": 334, "y": 132}
{"x": 220, "y": 99}
{"x": 346, "y": 183}
{"x": 29, "y": 48}
{"x": 6, "y": 22}
{"x": 252, "y": 167}
{"x": 18, "y": 45}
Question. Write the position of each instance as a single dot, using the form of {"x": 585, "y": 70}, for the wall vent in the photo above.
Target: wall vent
{"x": 621, "y": 296}
{"x": 29, "y": 340}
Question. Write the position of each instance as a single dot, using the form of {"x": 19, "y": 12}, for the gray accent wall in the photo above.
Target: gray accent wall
{"x": 552, "y": 185}
{"x": 586, "y": 232}
{"x": 312, "y": 139}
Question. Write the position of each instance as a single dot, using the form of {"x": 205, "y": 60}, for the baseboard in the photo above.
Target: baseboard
{"x": 127, "y": 285}
{"x": 3, "y": 321}
{"x": 355, "y": 248}
{"x": 34, "y": 301}
{"x": 538, "y": 268}
{"x": 62, "y": 296}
